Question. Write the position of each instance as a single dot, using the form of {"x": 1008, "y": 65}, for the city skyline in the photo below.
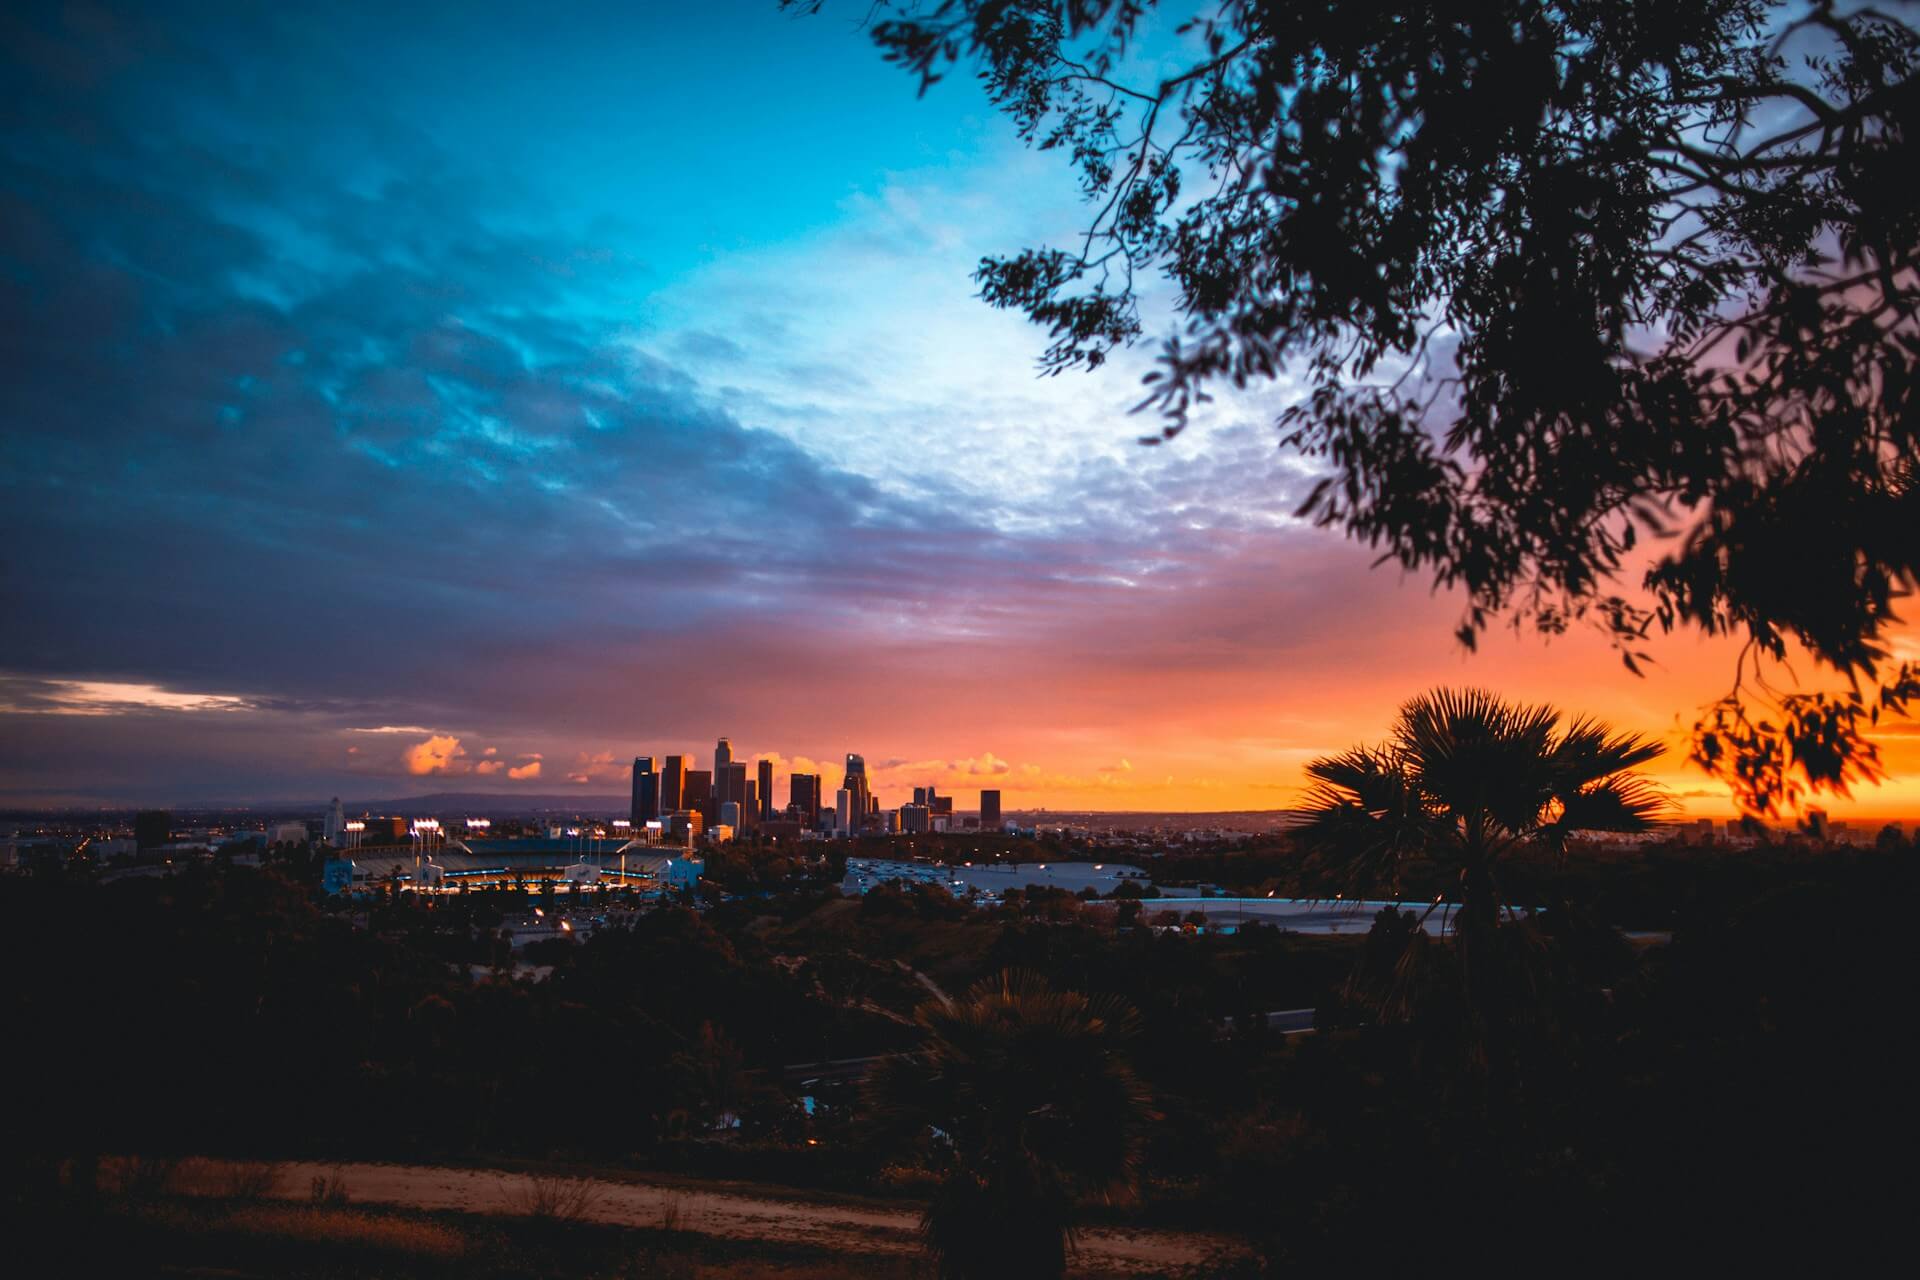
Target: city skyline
{"x": 371, "y": 434}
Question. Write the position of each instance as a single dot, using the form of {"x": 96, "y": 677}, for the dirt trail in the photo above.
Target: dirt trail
{"x": 732, "y": 1211}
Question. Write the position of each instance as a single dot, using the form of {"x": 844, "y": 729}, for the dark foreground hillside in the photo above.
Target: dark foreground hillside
{"x": 1735, "y": 1094}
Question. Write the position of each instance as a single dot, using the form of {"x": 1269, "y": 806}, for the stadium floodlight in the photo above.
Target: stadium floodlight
{"x": 621, "y": 824}
{"x": 356, "y": 826}
{"x": 573, "y": 831}
{"x": 654, "y": 824}
{"x": 479, "y": 824}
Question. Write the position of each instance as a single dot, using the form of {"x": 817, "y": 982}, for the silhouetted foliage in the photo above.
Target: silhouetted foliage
{"x": 1469, "y": 781}
{"x": 1579, "y": 291}
{"x": 1037, "y": 1108}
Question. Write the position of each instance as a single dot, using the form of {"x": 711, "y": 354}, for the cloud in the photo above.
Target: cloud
{"x": 522, "y": 772}
{"x": 598, "y": 766}
{"x": 21, "y": 694}
{"x": 440, "y": 754}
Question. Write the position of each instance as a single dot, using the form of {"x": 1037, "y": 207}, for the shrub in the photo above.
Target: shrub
{"x": 557, "y": 1198}
{"x": 329, "y": 1189}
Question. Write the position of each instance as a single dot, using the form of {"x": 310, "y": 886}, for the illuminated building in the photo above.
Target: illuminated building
{"x": 684, "y": 826}
{"x": 855, "y": 785}
{"x": 646, "y": 792}
{"x": 722, "y": 760}
{"x": 803, "y": 795}
{"x": 673, "y": 781}
{"x": 843, "y": 811}
{"x": 697, "y": 794}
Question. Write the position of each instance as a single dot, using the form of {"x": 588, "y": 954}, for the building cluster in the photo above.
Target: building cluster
{"x": 676, "y": 801}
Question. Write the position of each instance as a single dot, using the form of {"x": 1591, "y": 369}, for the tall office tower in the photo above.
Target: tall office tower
{"x": 336, "y": 823}
{"x": 856, "y": 785}
{"x": 765, "y": 771}
{"x": 732, "y": 784}
{"x": 673, "y": 781}
{"x": 697, "y": 794}
{"x": 989, "y": 810}
{"x": 722, "y": 759}
{"x": 730, "y": 814}
{"x": 842, "y": 811}
{"x": 803, "y": 793}
{"x": 750, "y": 814}
{"x": 646, "y": 793}
{"x": 920, "y": 795}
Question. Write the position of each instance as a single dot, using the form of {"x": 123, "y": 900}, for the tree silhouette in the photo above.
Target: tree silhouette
{"x": 1587, "y": 295}
{"x": 1468, "y": 781}
{"x": 1038, "y": 1108}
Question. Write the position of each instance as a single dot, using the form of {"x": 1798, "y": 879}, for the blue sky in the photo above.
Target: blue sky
{"x": 563, "y": 382}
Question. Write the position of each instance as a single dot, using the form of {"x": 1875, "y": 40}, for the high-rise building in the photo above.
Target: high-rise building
{"x": 750, "y": 814}
{"x": 855, "y": 785}
{"x": 764, "y": 770}
{"x": 990, "y": 810}
{"x": 697, "y": 794}
{"x": 646, "y": 792}
{"x": 803, "y": 794}
{"x": 336, "y": 832}
{"x": 913, "y": 818}
{"x": 920, "y": 795}
{"x": 673, "y": 781}
{"x": 842, "y": 811}
{"x": 730, "y": 814}
{"x": 722, "y": 760}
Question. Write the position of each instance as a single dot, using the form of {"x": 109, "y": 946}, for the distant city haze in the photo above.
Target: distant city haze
{"x": 394, "y": 409}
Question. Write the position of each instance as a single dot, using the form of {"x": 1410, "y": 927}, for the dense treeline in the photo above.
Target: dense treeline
{"x": 1735, "y": 1085}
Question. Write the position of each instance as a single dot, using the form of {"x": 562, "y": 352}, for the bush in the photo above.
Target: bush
{"x": 147, "y": 1178}
{"x": 557, "y": 1198}
{"x": 329, "y": 1189}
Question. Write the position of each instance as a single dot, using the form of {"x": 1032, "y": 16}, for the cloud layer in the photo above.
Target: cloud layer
{"x": 385, "y": 405}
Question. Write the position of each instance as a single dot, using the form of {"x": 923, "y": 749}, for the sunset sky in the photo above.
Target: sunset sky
{"x": 471, "y": 397}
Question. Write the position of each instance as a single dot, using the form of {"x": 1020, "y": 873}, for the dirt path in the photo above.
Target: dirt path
{"x": 732, "y": 1211}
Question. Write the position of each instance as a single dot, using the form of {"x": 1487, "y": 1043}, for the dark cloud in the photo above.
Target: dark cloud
{"x": 304, "y": 412}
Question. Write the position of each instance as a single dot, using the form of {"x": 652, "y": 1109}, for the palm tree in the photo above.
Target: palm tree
{"x": 1028, "y": 1090}
{"x": 1467, "y": 780}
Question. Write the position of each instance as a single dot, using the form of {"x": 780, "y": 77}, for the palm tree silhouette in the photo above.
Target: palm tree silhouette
{"x": 1027, "y": 1089}
{"x": 1467, "y": 781}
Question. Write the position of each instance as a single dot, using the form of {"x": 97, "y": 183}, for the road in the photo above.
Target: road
{"x": 737, "y": 1211}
